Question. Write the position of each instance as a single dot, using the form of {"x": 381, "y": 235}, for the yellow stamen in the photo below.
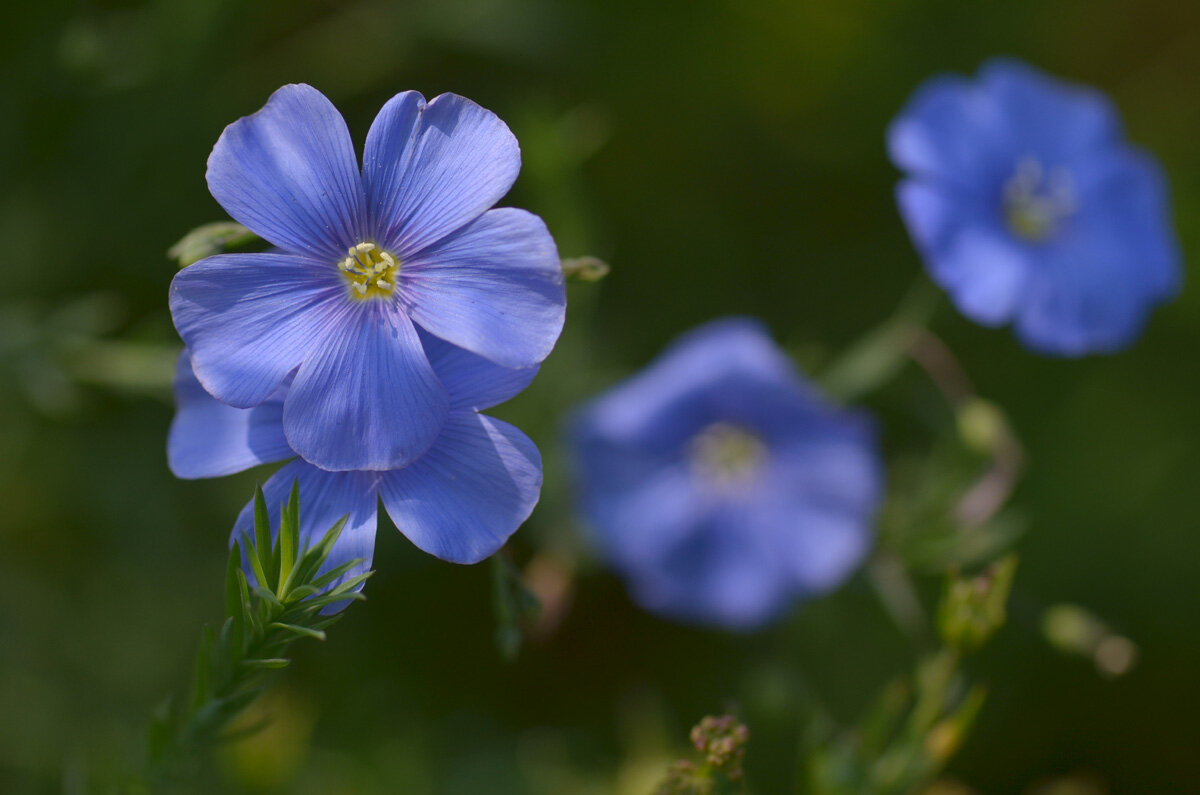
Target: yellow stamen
{"x": 726, "y": 454}
{"x": 370, "y": 271}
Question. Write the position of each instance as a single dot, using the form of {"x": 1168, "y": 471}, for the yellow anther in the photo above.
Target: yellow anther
{"x": 727, "y": 455}
{"x": 370, "y": 270}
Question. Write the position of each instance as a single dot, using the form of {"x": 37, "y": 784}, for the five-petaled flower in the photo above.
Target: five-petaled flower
{"x": 1028, "y": 207}
{"x": 367, "y": 261}
{"x": 721, "y": 484}
{"x": 460, "y": 501}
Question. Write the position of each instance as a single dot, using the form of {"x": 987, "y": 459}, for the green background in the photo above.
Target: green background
{"x": 724, "y": 157}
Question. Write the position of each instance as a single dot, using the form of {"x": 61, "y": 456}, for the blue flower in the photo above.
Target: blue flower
{"x": 461, "y": 500}
{"x": 721, "y": 484}
{"x": 365, "y": 263}
{"x": 1029, "y": 208}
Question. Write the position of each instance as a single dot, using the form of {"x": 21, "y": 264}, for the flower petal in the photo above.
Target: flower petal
{"x": 641, "y": 512}
{"x": 720, "y": 575}
{"x": 819, "y": 506}
{"x": 249, "y": 319}
{"x": 431, "y": 169}
{"x": 986, "y": 272}
{"x": 1051, "y": 118}
{"x": 209, "y": 439}
{"x": 288, "y": 172}
{"x": 471, "y": 491}
{"x": 367, "y": 398}
{"x": 471, "y": 381}
{"x": 325, "y": 497}
{"x": 950, "y": 130}
{"x": 717, "y": 372}
{"x": 494, "y": 288}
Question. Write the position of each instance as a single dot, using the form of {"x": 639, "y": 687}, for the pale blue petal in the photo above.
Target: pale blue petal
{"x": 471, "y": 381}
{"x": 720, "y": 575}
{"x": 953, "y": 132}
{"x": 367, "y": 398}
{"x": 471, "y": 491}
{"x": 1109, "y": 266}
{"x": 325, "y": 497}
{"x": 639, "y": 508}
{"x": 986, "y": 273}
{"x": 1127, "y": 209}
{"x": 818, "y": 501}
{"x": 966, "y": 250}
{"x": 209, "y": 439}
{"x": 721, "y": 371}
{"x": 288, "y": 172}
{"x": 494, "y": 287}
{"x": 431, "y": 169}
{"x": 1050, "y": 118}
{"x": 249, "y": 319}
{"x": 1080, "y": 306}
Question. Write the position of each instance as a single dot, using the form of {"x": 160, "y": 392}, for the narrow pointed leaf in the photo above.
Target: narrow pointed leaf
{"x": 262, "y": 539}
{"x": 269, "y": 662}
{"x": 299, "y": 630}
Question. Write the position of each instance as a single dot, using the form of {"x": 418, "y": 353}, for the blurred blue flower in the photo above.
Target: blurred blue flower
{"x": 364, "y": 260}
{"x": 460, "y": 501}
{"x": 1029, "y": 207}
{"x": 721, "y": 484}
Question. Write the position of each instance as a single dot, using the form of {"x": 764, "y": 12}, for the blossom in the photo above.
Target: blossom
{"x": 367, "y": 264}
{"x": 721, "y": 484}
{"x": 1028, "y": 207}
{"x": 461, "y": 500}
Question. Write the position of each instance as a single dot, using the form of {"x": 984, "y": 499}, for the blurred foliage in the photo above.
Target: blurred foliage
{"x": 724, "y": 158}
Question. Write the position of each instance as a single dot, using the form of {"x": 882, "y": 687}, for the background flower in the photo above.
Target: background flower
{"x": 365, "y": 259}
{"x": 720, "y": 484}
{"x": 460, "y": 501}
{"x": 1028, "y": 207}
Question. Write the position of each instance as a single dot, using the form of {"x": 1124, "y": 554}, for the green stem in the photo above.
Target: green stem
{"x": 878, "y": 356}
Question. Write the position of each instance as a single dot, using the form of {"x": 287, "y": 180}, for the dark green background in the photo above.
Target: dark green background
{"x": 725, "y": 157}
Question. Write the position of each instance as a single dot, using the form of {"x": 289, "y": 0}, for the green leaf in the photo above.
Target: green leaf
{"x": 268, "y": 663}
{"x": 289, "y": 537}
{"x": 307, "y": 632}
{"x": 322, "y": 601}
{"x": 316, "y": 555}
{"x": 262, "y": 540}
{"x": 332, "y": 575}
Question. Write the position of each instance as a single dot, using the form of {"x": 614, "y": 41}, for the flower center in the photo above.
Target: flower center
{"x": 370, "y": 271}
{"x": 727, "y": 454}
{"x": 1036, "y": 203}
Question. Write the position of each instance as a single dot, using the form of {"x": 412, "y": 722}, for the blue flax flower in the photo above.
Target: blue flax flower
{"x": 1029, "y": 208}
{"x": 366, "y": 261}
{"x": 460, "y": 500}
{"x": 721, "y": 484}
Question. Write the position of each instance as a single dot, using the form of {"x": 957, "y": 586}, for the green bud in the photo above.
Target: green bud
{"x": 209, "y": 239}
{"x": 973, "y": 608}
{"x": 585, "y": 269}
{"x": 722, "y": 742}
{"x": 981, "y": 425}
{"x": 1075, "y": 630}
